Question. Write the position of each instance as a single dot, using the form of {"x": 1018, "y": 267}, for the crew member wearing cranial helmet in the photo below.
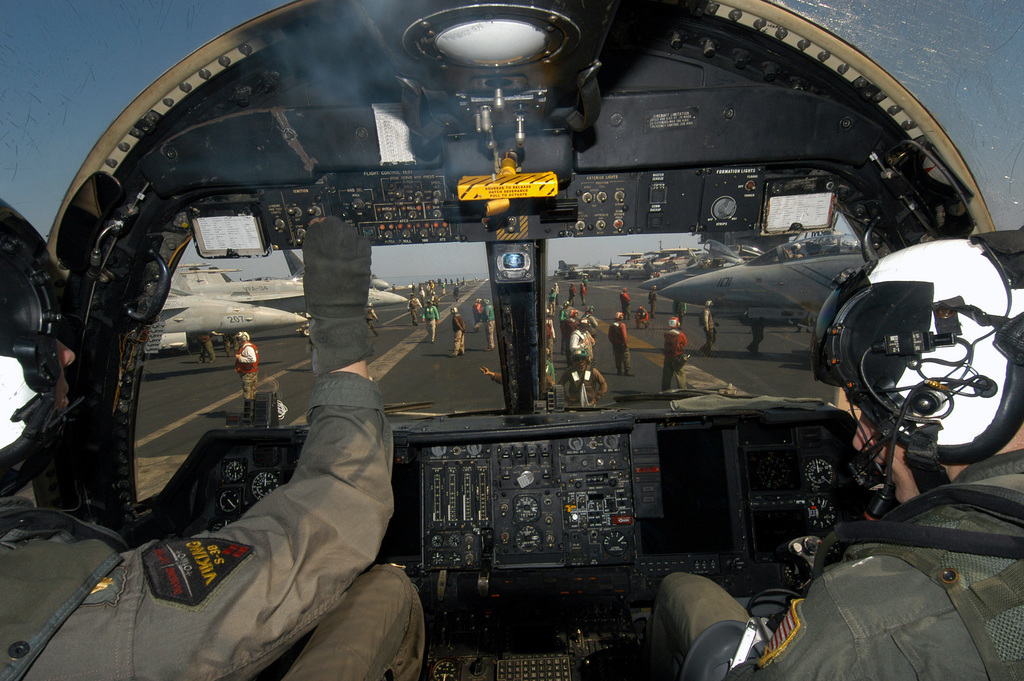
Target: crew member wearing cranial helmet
{"x": 929, "y": 343}
{"x": 247, "y": 365}
{"x": 673, "y": 369}
{"x": 75, "y": 601}
{"x": 33, "y": 392}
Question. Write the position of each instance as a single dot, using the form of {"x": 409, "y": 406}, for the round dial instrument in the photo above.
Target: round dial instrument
{"x": 820, "y": 474}
{"x": 525, "y": 509}
{"x": 822, "y": 514}
{"x": 445, "y": 670}
{"x": 229, "y": 500}
{"x": 615, "y": 543}
{"x": 527, "y": 539}
{"x": 234, "y": 470}
{"x": 263, "y": 483}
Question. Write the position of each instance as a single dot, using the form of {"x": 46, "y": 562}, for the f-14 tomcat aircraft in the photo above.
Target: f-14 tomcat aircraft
{"x": 472, "y": 138}
{"x": 791, "y": 281}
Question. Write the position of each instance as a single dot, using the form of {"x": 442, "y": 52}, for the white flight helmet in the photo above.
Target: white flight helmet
{"x": 928, "y": 341}
{"x": 29, "y": 362}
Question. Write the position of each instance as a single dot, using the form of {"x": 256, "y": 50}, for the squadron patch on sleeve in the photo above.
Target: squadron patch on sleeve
{"x": 784, "y": 634}
{"x": 186, "y": 571}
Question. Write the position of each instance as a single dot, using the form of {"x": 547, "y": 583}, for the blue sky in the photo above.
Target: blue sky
{"x": 68, "y": 68}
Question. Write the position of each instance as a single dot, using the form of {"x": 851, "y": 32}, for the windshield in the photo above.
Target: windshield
{"x": 190, "y": 384}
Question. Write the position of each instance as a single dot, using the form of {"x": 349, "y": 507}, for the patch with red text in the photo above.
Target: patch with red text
{"x": 186, "y": 571}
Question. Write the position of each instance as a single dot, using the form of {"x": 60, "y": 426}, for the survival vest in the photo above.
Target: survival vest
{"x": 247, "y": 367}
{"x": 969, "y": 539}
{"x": 617, "y": 333}
{"x": 50, "y": 563}
{"x": 675, "y": 343}
{"x": 581, "y": 380}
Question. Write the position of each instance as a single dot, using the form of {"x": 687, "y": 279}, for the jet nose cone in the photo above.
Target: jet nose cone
{"x": 692, "y": 291}
{"x": 388, "y": 298}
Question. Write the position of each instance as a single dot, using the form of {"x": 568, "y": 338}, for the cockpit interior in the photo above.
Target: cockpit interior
{"x": 499, "y": 136}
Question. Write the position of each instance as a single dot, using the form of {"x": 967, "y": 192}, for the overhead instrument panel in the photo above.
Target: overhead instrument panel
{"x": 395, "y": 207}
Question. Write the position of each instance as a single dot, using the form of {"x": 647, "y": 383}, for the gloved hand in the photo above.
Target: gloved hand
{"x": 336, "y": 283}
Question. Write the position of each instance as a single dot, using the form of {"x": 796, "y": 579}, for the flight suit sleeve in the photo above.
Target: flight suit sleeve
{"x": 874, "y": 618}
{"x": 285, "y": 564}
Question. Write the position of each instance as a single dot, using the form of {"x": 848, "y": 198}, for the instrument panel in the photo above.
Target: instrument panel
{"x": 414, "y": 206}
{"x": 627, "y": 497}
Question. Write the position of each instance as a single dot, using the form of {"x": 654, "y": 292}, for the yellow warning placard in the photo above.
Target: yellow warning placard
{"x": 517, "y": 186}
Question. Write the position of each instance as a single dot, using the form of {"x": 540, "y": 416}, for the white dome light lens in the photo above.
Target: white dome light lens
{"x": 498, "y": 42}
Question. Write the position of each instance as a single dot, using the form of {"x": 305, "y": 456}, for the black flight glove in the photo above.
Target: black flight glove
{"x": 336, "y": 283}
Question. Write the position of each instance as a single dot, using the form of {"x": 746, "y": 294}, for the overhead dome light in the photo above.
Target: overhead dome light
{"x": 491, "y": 36}
{"x": 496, "y": 42}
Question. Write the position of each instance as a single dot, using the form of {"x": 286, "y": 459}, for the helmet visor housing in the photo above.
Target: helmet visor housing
{"x": 28, "y": 346}
{"x": 911, "y": 342}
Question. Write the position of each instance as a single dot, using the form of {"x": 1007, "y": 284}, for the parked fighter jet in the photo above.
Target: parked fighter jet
{"x": 574, "y": 271}
{"x": 185, "y": 315}
{"x": 716, "y": 256}
{"x": 788, "y": 282}
{"x": 280, "y": 293}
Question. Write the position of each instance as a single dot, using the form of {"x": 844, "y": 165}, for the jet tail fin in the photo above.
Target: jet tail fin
{"x": 180, "y": 283}
{"x": 295, "y": 264}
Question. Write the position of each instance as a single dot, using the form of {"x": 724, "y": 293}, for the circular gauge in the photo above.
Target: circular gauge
{"x": 822, "y": 513}
{"x": 525, "y": 509}
{"x": 436, "y": 541}
{"x": 437, "y": 451}
{"x": 234, "y": 470}
{"x": 615, "y": 543}
{"x": 229, "y": 501}
{"x": 445, "y": 670}
{"x": 770, "y": 471}
{"x": 264, "y": 482}
{"x": 820, "y": 474}
{"x": 611, "y": 441}
{"x": 527, "y": 539}
{"x": 575, "y": 444}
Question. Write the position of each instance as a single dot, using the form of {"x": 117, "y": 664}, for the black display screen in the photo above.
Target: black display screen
{"x": 695, "y": 492}
{"x": 774, "y": 528}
